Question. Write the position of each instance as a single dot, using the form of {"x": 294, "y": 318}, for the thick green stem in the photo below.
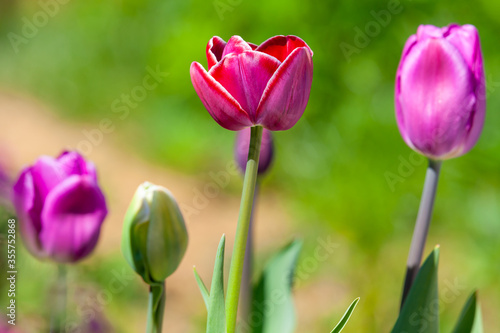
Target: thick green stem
{"x": 421, "y": 226}
{"x": 156, "y": 308}
{"x": 246, "y": 294}
{"x": 240, "y": 242}
{"x": 58, "y": 320}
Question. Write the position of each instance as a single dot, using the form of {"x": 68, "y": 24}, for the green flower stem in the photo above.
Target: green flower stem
{"x": 156, "y": 308}
{"x": 246, "y": 294}
{"x": 58, "y": 320}
{"x": 421, "y": 226}
{"x": 238, "y": 258}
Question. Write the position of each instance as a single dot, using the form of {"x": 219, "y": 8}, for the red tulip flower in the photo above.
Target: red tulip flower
{"x": 248, "y": 85}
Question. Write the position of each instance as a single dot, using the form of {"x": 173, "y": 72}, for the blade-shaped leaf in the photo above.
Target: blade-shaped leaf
{"x": 420, "y": 313}
{"x": 345, "y": 318}
{"x": 272, "y": 308}
{"x": 203, "y": 289}
{"x": 470, "y": 319}
{"x": 216, "y": 319}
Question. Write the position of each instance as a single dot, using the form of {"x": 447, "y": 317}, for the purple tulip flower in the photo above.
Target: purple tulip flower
{"x": 266, "y": 150}
{"x": 248, "y": 85}
{"x": 60, "y": 207}
{"x": 440, "y": 91}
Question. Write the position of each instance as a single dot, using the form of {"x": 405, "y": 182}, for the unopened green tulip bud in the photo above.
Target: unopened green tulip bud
{"x": 154, "y": 234}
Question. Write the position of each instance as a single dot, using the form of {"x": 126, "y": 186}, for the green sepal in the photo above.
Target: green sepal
{"x": 134, "y": 235}
{"x": 167, "y": 235}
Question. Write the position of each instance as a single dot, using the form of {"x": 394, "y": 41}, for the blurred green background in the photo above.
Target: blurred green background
{"x": 331, "y": 168}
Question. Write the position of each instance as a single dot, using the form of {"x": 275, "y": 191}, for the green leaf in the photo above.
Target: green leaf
{"x": 420, "y": 313}
{"x": 216, "y": 320}
{"x": 470, "y": 319}
{"x": 272, "y": 307}
{"x": 203, "y": 288}
{"x": 345, "y": 318}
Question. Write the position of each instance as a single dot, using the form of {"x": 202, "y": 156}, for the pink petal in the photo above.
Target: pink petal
{"x": 412, "y": 41}
{"x": 215, "y": 48}
{"x": 225, "y": 110}
{"x": 466, "y": 40}
{"x": 253, "y": 46}
{"x": 71, "y": 219}
{"x": 287, "y": 92}
{"x": 281, "y": 47}
{"x": 23, "y": 198}
{"x": 236, "y": 45}
{"x": 437, "y": 98}
{"x": 245, "y": 77}
{"x": 72, "y": 163}
{"x": 429, "y": 31}
{"x": 47, "y": 172}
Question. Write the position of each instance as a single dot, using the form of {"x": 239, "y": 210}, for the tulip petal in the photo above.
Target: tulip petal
{"x": 73, "y": 163}
{"x": 47, "y": 173}
{"x": 225, "y": 110}
{"x": 407, "y": 48}
{"x": 466, "y": 40}
{"x": 215, "y": 48}
{"x": 437, "y": 92}
{"x": 287, "y": 93}
{"x": 245, "y": 76}
{"x": 236, "y": 45}
{"x": 253, "y": 46}
{"x": 281, "y": 47}
{"x": 429, "y": 31}
{"x": 23, "y": 198}
{"x": 71, "y": 219}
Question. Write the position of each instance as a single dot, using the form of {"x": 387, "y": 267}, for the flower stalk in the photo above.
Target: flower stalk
{"x": 156, "y": 308}
{"x": 246, "y": 294}
{"x": 246, "y": 206}
{"x": 58, "y": 319}
{"x": 421, "y": 226}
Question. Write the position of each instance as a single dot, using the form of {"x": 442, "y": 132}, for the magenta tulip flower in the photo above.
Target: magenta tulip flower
{"x": 266, "y": 150}
{"x": 60, "y": 207}
{"x": 440, "y": 91}
{"x": 248, "y": 85}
